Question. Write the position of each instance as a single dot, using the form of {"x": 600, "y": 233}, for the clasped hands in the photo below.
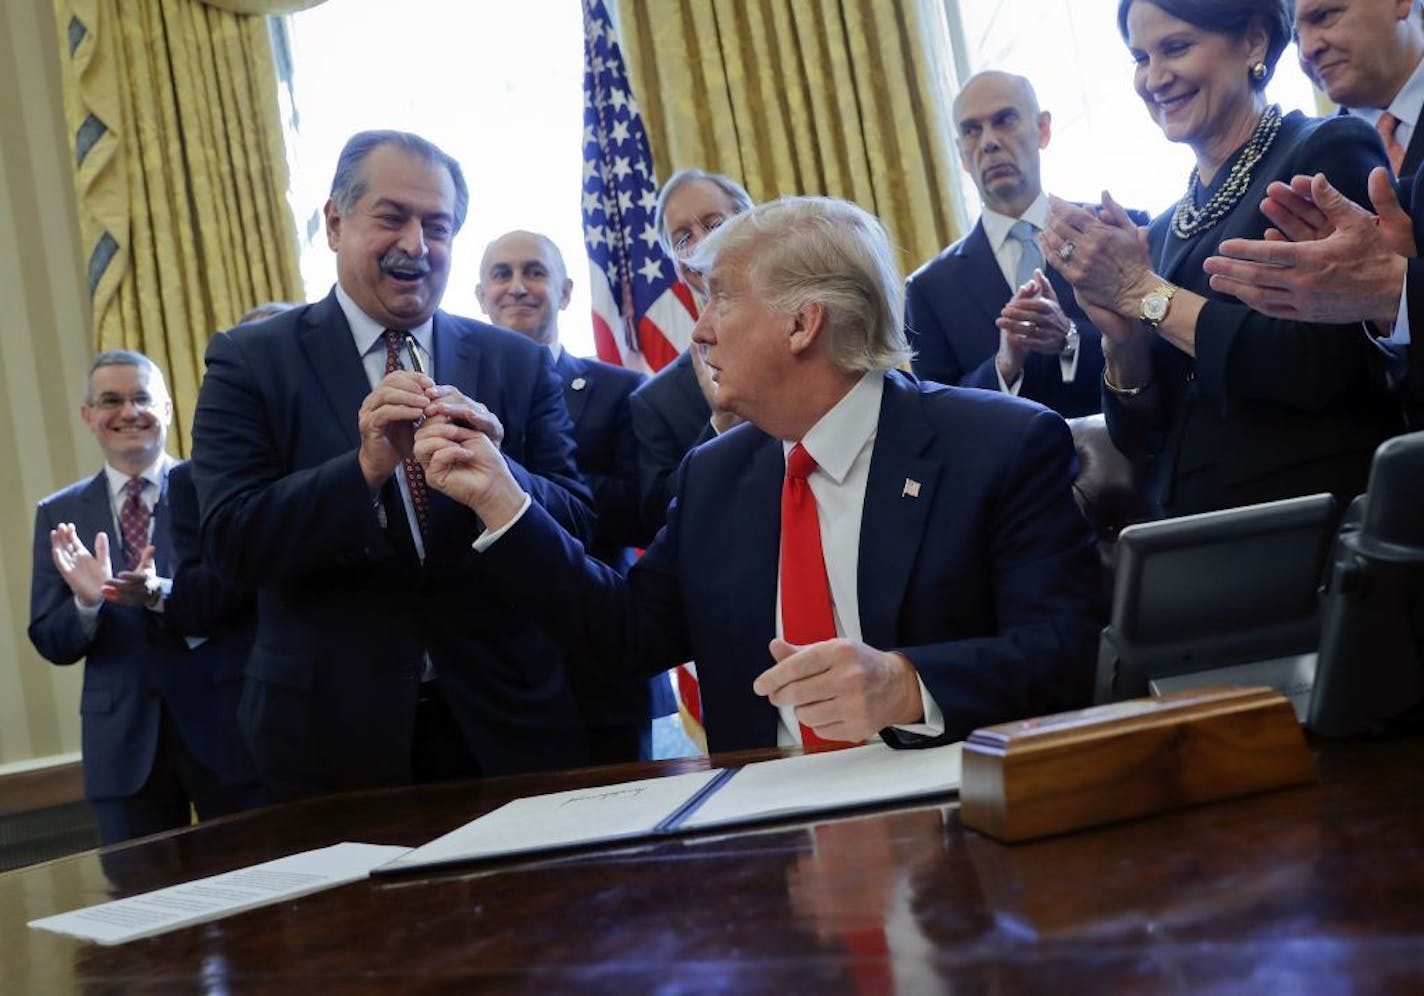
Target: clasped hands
{"x": 90, "y": 574}
{"x": 1103, "y": 254}
{"x": 1031, "y": 322}
{"x": 401, "y": 403}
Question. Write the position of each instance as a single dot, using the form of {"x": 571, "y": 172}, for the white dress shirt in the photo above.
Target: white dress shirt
{"x": 841, "y": 443}
{"x": 1007, "y": 253}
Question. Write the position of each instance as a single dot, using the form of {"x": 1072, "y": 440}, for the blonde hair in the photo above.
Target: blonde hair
{"x": 820, "y": 250}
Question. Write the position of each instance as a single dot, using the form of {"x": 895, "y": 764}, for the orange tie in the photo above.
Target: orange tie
{"x": 1387, "y": 124}
{"x": 806, "y": 613}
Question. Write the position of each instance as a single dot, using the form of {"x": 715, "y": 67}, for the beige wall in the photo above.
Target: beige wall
{"x": 44, "y": 350}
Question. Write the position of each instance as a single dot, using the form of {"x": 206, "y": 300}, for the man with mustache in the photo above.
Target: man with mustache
{"x": 379, "y": 658}
{"x": 1368, "y": 57}
{"x": 986, "y": 312}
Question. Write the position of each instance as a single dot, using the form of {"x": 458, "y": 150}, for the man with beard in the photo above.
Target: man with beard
{"x": 986, "y": 312}
{"x": 379, "y": 659}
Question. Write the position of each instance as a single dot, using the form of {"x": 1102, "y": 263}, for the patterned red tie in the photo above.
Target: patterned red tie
{"x": 414, "y": 475}
{"x": 1387, "y": 124}
{"x": 134, "y": 518}
{"x": 806, "y": 613}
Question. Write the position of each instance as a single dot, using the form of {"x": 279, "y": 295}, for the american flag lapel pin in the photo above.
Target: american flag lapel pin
{"x": 911, "y": 489}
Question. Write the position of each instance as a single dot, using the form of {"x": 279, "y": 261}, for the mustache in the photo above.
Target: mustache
{"x": 401, "y": 261}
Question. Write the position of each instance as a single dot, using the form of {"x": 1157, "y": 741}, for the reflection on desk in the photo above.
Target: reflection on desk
{"x": 1311, "y": 889}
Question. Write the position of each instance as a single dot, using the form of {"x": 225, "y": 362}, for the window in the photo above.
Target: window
{"x": 498, "y": 86}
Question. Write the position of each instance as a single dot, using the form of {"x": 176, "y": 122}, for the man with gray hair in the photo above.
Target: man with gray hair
{"x": 158, "y": 714}
{"x": 379, "y": 658}
{"x": 866, "y": 555}
{"x": 675, "y": 410}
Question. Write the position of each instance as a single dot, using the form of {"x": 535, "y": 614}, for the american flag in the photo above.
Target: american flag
{"x": 642, "y": 314}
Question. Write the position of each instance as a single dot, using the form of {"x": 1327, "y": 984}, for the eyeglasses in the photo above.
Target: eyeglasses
{"x": 683, "y": 241}
{"x": 143, "y": 401}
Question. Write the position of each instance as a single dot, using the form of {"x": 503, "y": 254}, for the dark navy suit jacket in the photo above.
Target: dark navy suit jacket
{"x": 670, "y": 417}
{"x": 346, "y": 610}
{"x": 133, "y": 661}
{"x": 597, "y": 396}
{"x": 202, "y": 605}
{"x": 984, "y": 578}
{"x": 1267, "y": 408}
{"x": 951, "y": 304}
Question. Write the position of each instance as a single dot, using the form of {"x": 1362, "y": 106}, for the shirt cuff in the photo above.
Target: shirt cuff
{"x": 488, "y": 539}
{"x": 1068, "y": 359}
{"x": 1399, "y": 335}
{"x": 933, "y": 723}
{"x": 165, "y": 587}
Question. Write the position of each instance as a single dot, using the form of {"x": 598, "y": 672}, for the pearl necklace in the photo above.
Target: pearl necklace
{"x": 1189, "y": 220}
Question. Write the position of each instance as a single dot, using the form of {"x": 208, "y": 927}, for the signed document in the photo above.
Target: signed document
{"x": 220, "y": 895}
{"x": 652, "y": 807}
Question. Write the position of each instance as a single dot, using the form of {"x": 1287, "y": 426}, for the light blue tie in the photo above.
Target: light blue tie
{"x": 1031, "y": 257}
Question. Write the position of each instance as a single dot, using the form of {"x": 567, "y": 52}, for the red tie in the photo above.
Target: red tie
{"x": 806, "y": 615}
{"x": 1387, "y": 124}
{"x": 134, "y": 518}
{"x": 414, "y": 475}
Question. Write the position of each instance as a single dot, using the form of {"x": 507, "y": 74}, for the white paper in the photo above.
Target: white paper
{"x": 837, "y": 779}
{"x": 222, "y": 895}
{"x": 561, "y": 819}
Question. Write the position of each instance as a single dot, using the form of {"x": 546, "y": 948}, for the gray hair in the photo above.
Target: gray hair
{"x": 820, "y": 250}
{"x": 736, "y": 193}
{"x": 349, "y": 184}
{"x": 122, "y": 358}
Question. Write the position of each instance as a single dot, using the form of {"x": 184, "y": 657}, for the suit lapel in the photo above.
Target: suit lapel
{"x": 749, "y": 605}
{"x": 983, "y": 283}
{"x": 325, "y": 339}
{"x": 162, "y": 530}
{"x": 96, "y": 515}
{"x": 1415, "y": 152}
{"x": 898, "y": 497}
{"x": 575, "y": 399}
{"x": 457, "y": 362}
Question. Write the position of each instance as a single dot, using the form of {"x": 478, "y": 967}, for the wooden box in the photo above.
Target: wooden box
{"x": 1116, "y": 762}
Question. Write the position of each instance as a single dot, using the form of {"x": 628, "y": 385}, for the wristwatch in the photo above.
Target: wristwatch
{"x": 1154, "y": 307}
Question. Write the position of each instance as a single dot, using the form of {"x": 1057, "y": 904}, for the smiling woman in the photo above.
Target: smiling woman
{"x": 1102, "y": 138}
{"x": 1230, "y": 407}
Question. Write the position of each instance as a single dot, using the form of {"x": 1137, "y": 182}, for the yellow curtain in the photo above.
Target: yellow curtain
{"x": 181, "y": 175}
{"x": 837, "y": 97}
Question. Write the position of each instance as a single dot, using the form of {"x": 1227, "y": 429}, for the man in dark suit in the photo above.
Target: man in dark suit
{"x": 380, "y": 658}
{"x": 153, "y": 715}
{"x": 673, "y": 412}
{"x": 523, "y": 286}
{"x": 1368, "y": 57}
{"x": 928, "y": 572}
{"x": 983, "y": 313}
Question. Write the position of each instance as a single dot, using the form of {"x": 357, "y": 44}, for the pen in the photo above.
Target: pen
{"x": 416, "y": 363}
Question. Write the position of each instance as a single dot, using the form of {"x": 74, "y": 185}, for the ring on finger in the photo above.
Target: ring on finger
{"x": 1065, "y": 252}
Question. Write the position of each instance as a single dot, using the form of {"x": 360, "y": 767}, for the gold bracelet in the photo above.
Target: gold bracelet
{"x": 1125, "y": 392}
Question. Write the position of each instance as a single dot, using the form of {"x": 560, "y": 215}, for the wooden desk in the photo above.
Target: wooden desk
{"x": 1317, "y": 889}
